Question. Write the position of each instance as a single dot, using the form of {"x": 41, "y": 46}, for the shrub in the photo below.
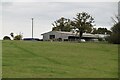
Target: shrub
{"x": 100, "y": 39}
{"x": 18, "y": 37}
{"x": 6, "y": 38}
{"x": 115, "y": 36}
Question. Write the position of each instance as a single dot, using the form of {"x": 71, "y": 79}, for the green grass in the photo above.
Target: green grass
{"x": 26, "y": 59}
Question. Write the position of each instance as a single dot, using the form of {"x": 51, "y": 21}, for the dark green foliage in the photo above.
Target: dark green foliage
{"x": 116, "y": 28}
{"x": 107, "y": 38}
{"x": 62, "y": 24}
{"x": 88, "y": 30}
{"x": 83, "y": 22}
{"x": 101, "y": 31}
{"x": 18, "y": 37}
{"x": 94, "y": 31}
{"x": 115, "y": 36}
{"x": 100, "y": 39}
{"x": 6, "y": 38}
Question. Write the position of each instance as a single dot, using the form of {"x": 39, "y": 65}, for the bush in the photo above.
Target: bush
{"x": 100, "y": 39}
{"x": 114, "y": 38}
{"x": 18, "y": 37}
{"x": 6, "y": 38}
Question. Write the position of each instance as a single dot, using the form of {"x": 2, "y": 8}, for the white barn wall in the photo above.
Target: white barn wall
{"x": 46, "y": 35}
{"x": 57, "y": 35}
{"x": 65, "y": 35}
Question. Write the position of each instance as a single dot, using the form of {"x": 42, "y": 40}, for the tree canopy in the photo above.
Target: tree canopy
{"x": 62, "y": 24}
{"x": 101, "y": 31}
{"x": 115, "y": 36}
{"x": 83, "y": 22}
{"x": 18, "y": 37}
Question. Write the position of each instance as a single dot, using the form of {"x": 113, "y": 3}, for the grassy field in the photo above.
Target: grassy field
{"x": 26, "y": 59}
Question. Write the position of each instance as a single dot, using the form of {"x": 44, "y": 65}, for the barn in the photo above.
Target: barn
{"x": 60, "y": 35}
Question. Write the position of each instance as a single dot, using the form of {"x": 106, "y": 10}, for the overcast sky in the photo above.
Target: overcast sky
{"x": 16, "y": 16}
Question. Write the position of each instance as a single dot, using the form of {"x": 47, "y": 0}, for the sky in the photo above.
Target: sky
{"x": 16, "y": 15}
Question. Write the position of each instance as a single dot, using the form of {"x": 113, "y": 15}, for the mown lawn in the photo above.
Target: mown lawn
{"x": 27, "y": 59}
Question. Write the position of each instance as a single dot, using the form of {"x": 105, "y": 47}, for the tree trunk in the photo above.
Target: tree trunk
{"x": 80, "y": 35}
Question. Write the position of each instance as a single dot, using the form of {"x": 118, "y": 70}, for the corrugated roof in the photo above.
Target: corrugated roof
{"x": 71, "y": 33}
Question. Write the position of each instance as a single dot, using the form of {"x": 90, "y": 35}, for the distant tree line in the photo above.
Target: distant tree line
{"x": 101, "y": 31}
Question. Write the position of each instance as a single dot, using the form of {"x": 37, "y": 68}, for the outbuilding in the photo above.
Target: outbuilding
{"x": 60, "y": 35}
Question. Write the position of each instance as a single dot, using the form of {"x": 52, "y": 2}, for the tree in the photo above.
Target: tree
{"x": 6, "y": 38}
{"x": 62, "y": 24}
{"x": 101, "y": 31}
{"x": 115, "y": 36}
{"x": 88, "y": 30}
{"x": 83, "y": 22}
{"x": 115, "y": 19}
{"x": 94, "y": 31}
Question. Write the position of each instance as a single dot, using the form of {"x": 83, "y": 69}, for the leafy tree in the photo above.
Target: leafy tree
{"x": 62, "y": 24}
{"x": 115, "y": 36}
{"x": 83, "y": 22}
{"x": 101, "y": 31}
{"x": 94, "y": 31}
{"x": 88, "y": 30}
{"x": 109, "y": 32}
{"x": 6, "y": 38}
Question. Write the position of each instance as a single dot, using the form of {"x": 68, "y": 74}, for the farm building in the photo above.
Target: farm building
{"x": 60, "y": 35}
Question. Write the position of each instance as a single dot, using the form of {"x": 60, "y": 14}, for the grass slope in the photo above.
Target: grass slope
{"x": 26, "y": 59}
